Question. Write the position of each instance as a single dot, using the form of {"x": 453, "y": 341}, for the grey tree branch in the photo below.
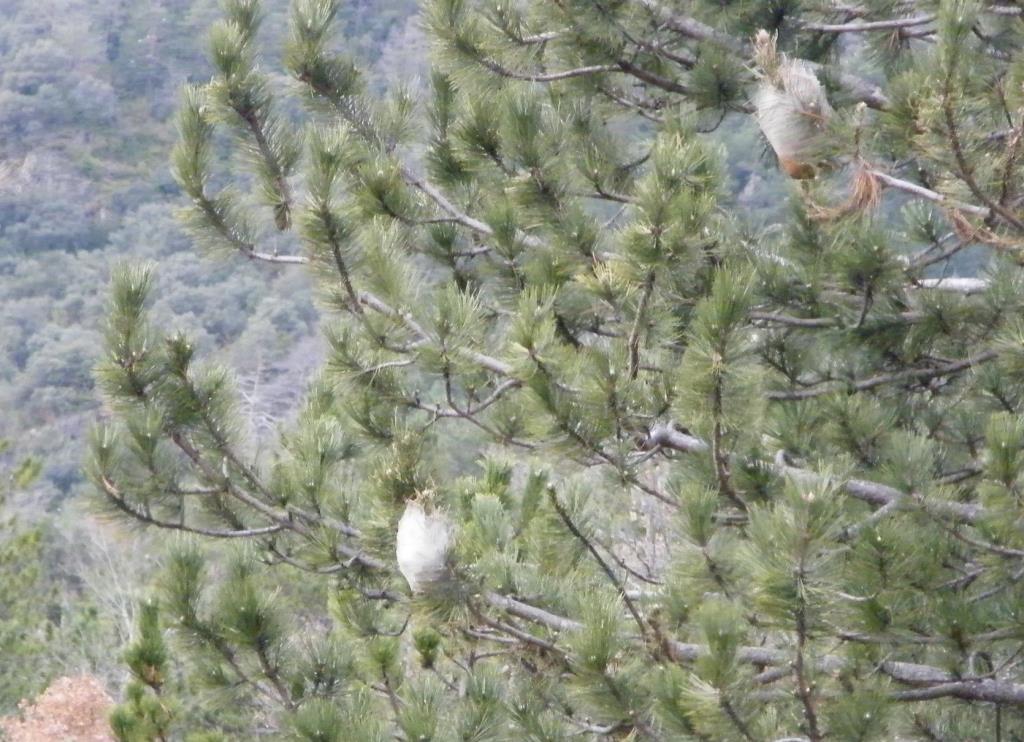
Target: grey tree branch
{"x": 933, "y": 682}
{"x": 860, "y": 26}
{"x": 116, "y": 497}
{"x": 912, "y": 374}
{"x": 928, "y": 194}
{"x": 965, "y": 286}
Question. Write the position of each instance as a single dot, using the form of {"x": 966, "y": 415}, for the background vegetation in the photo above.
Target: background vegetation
{"x": 87, "y": 96}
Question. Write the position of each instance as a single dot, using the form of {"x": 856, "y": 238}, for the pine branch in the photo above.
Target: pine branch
{"x": 612, "y": 577}
{"x": 876, "y": 494}
{"x": 484, "y": 360}
{"x": 933, "y": 682}
{"x": 284, "y": 518}
{"x": 546, "y": 76}
{"x": 911, "y": 374}
{"x": 116, "y": 497}
{"x": 928, "y": 194}
{"x": 272, "y": 673}
{"x": 966, "y": 286}
{"x": 634, "y": 334}
{"x": 806, "y": 322}
{"x": 520, "y": 635}
{"x": 861, "y": 26}
{"x": 966, "y": 172}
{"x": 804, "y": 690}
{"x": 218, "y": 220}
{"x": 652, "y": 78}
{"x": 719, "y": 455}
{"x": 282, "y": 209}
{"x": 667, "y": 436}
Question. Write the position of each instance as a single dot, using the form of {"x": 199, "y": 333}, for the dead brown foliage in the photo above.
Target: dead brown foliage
{"x": 70, "y": 710}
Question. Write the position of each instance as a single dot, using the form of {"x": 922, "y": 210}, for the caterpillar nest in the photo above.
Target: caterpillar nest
{"x": 790, "y": 107}
{"x": 422, "y": 545}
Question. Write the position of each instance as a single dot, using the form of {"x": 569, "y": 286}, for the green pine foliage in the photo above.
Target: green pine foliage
{"x": 23, "y": 620}
{"x": 706, "y": 479}
{"x": 50, "y": 623}
{"x": 146, "y": 713}
{"x": 157, "y": 704}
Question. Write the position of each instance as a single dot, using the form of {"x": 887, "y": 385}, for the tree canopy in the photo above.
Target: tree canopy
{"x": 594, "y": 452}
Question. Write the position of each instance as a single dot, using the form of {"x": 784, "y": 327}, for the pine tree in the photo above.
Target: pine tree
{"x": 662, "y": 472}
{"x": 146, "y": 714}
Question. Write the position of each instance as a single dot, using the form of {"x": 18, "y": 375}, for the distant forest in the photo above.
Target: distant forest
{"x": 87, "y": 96}
{"x": 88, "y": 93}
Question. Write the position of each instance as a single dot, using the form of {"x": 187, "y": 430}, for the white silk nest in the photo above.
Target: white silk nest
{"x": 422, "y": 545}
{"x": 791, "y": 109}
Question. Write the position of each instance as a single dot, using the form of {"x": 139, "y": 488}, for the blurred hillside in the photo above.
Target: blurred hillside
{"x": 87, "y": 97}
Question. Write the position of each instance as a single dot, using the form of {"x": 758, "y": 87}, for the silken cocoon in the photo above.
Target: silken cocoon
{"x": 422, "y": 545}
{"x": 791, "y": 108}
